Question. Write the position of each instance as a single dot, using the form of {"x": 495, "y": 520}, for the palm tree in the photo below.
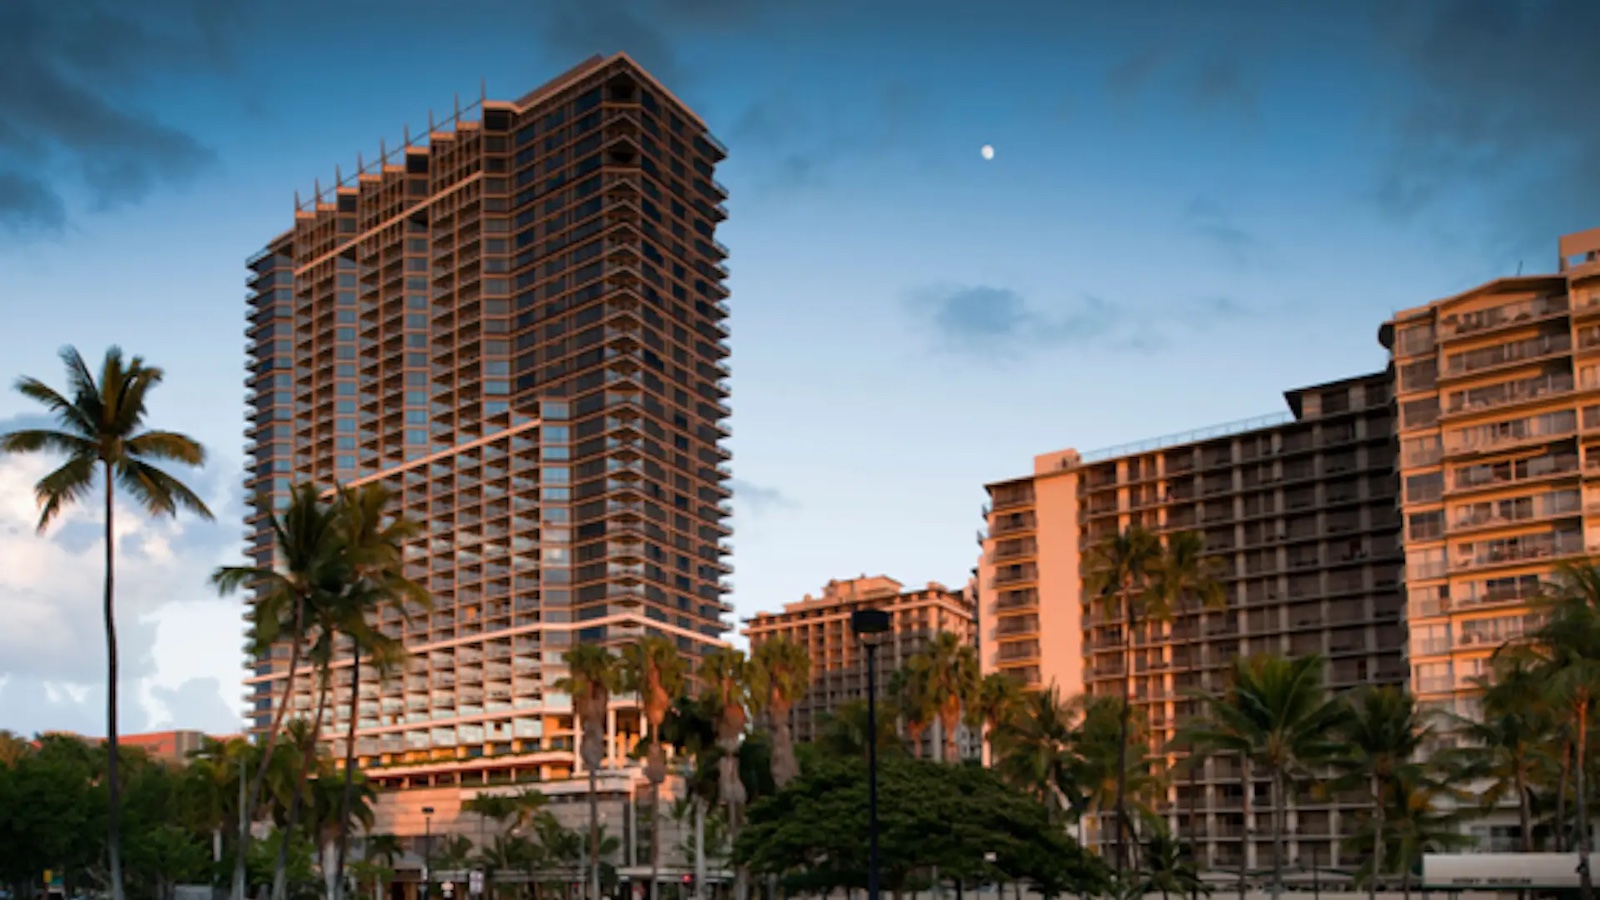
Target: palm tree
{"x": 1506, "y": 750}
{"x": 653, "y": 669}
{"x": 309, "y": 548}
{"x": 1276, "y": 716}
{"x": 690, "y": 728}
{"x": 374, "y": 542}
{"x": 101, "y": 430}
{"x": 953, "y": 679}
{"x": 1379, "y": 742}
{"x": 1168, "y": 869}
{"x": 843, "y": 731}
{"x": 999, "y": 698}
{"x": 1119, "y": 573}
{"x": 1566, "y": 651}
{"x": 593, "y": 679}
{"x": 910, "y": 691}
{"x": 507, "y": 850}
{"x": 1035, "y": 748}
{"x": 780, "y": 674}
{"x": 725, "y": 677}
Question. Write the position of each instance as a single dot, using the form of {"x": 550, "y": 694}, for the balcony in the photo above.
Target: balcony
{"x": 1514, "y": 352}
{"x": 1523, "y": 548}
{"x": 1501, "y": 316}
{"x": 1508, "y": 393}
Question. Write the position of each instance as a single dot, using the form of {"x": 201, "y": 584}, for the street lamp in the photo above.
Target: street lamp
{"x": 866, "y": 623}
{"x": 427, "y": 851}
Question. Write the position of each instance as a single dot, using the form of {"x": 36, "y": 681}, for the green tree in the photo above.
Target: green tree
{"x": 911, "y": 695}
{"x": 594, "y": 676}
{"x": 930, "y": 815}
{"x": 1507, "y": 748}
{"x": 725, "y": 679}
{"x": 1379, "y": 741}
{"x": 999, "y": 698}
{"x": 1277, "y": 717}
{"x": 953, "y": 682}
{"x": 780, "y": 675}
{"x": 843, "y": 731}
{"x": 653, "y": 669}
{"x": 1035, "y": 748}
{"x": 101, "y": 432}
{"x": 374, "y": 539}
{"x": 1119, "y": 573}
{"x": 1168, "y": 869}
{"x": 308, "y": 544}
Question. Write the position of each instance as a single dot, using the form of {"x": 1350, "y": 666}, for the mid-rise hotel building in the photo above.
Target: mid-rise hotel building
{"x": 1302, "y": 511}
{"x": 1499, "y": 398}
{"x": 516, "y": 321}
{"x": 821, "y": 625}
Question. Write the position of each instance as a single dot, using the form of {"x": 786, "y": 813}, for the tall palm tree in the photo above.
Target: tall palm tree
{"x": 374, "y": 541}
{"x": 308, "y": 546}
{"x": 780, "y": 674}
{"x": 1168, "y": 869}
{"x": 101, "y": 432}
{"x": 953, "y": 680}
{"x": 909, "y": 689}
{"x": 653, "y": 669}
{"x": 1380, "y": 737}
{"x": 1035, "y": 748}
{"x": 592, "y": 680}
{"x": 1566, "y": 651}
{"x": 999, "y": 699}
{"x": 725, "y": 678}
{"x": 1278, "y": 718}
{"x": 1507, "y": 750}
{"x": 690, "y": 729}
{"x": 1119, "y": 574}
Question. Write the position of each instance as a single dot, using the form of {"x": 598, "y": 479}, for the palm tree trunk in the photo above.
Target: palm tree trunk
{"x": 1279, "y": 822}
{"x": 1561, "y": 798}
{"x": 113, "y": 779}
{"x": 699, "y": 848}
{"x": 308, "y": 758}
{"x": 594, "y": 838}
{"x": 1377, "y": 838}
{"x": 1122, "y": 729}
{"x": 349, "y": 776}
{"x": 259, "y": 780}
{"x": 1245, "y": 842}
{"x": 655, "y": 836}
{"x": 1585, "y": 881}
{"x": 1524, "y": 810}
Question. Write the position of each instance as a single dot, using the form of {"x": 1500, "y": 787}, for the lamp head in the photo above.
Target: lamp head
{"x": 427, "y": 810}
{"x": 869, "y": 621}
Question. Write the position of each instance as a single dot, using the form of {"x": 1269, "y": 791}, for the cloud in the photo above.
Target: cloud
{"x": 66, "y": 72}
{"x": 760, "y": 499}
{"x": 52, "y": 648}
{"x": 806, "y": 140}
{"x": 1208, "y": 221}
{"x": 1496, "y": 101}
{"x": 995, "y": 324}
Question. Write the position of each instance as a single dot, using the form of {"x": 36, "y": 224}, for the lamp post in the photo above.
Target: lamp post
{"x": 867, "y": 623}
{"x": 427, "y": 851}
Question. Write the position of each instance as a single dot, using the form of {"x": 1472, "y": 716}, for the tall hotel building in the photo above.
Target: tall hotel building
{"x": 821, "y": 625}
{"x": 517, "y": 323}
{"x": 1499, "y": 398}
{"x": 1303, "y": 512}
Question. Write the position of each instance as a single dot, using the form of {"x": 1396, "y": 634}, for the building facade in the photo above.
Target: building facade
{"x": 1499, "y": 401}
{"x": 517, "y": 323}
{"x": 821, "y": 625}
{"x": 1302, "y": 513}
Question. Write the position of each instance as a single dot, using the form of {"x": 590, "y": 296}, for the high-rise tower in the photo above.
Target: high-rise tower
{"x": 516, "y": 322}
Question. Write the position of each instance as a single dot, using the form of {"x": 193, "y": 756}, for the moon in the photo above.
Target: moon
{"x": 987, "y": 152}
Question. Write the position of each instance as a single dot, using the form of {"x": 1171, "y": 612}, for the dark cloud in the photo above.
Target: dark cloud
{"x": 997, "y": 324}
{"x": 67, "y": 71}
{"x": 1209, "y": 221}
{"x": 806, "y": 140}
{"x": 760, "y": 499}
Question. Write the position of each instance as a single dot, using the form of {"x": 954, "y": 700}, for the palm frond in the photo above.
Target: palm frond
{"x": 167, "y": 445}
{"x": 156, "y": 491}
{"x": 67, "y": 413}
{"x": 44, "y": 440}
{"x": 68, "y": 484}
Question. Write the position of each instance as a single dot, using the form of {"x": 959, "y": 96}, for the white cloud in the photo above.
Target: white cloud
{"x": 178, "y": 644}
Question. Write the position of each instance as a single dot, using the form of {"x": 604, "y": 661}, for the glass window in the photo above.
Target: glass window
{"x": 555, "y": 475}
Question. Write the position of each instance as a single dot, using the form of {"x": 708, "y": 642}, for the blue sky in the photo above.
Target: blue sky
{"x": 1189, "y": 211}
